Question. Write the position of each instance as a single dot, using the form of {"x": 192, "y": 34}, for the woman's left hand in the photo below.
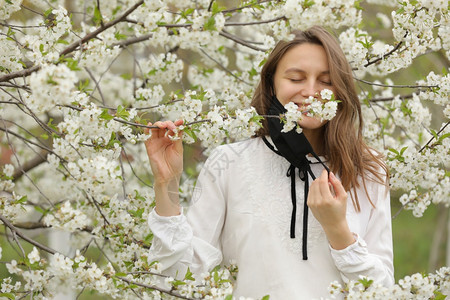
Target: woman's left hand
{"x": 327, "y": 200}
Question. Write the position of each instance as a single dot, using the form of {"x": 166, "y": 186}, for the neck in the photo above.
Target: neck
{"x": 315, "y": 138}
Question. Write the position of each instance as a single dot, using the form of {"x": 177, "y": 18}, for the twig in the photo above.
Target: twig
{"x": 24, "y": 237}
{"x": 240, "y": 41}
{"x": 153, "y": 287}
{"x": 24, "y": 139}
{"x": 74, "y": 45}
{"x": 255, "y": 22}
{"x": 397, "y": 86}
{"x": 242, "y": 7}
{"x": 387, "y": 54}
{"x": 22, "y": 73}
{"x": 96, "y": 32}
{"x": 385, "y": 99}
{"x": 432, "y": 138}
{"x": 223, "y": 67}
{"x": 30, "y": 164}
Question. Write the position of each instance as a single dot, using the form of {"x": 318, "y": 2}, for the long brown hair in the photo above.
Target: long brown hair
{"x": 345, "y": 150}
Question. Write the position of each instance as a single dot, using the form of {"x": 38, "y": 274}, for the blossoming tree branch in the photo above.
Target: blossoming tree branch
{"x": 79, "y": 81}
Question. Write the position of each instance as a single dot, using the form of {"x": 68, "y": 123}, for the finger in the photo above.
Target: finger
{"x": 338, "y": 187}
{"x": 147, "y": 130}
{"x": 178, "y": 122}
{"x": 314, "y": 193}
{"x": 170, "y": 125}
{"x": 160, "y": 131}
{"x": 324, "y": 185}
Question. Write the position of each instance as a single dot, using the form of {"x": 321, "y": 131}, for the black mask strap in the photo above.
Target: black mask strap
{"x": 294, "y": 147}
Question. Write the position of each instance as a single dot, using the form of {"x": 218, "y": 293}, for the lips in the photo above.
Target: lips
{"x": 303, "y": 107}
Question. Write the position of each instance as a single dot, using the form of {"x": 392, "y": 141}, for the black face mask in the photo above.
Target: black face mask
{"x": 294, "y": 147}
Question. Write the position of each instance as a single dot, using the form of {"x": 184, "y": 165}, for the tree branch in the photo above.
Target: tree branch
{"x": 96, "y": 32}
{"x": 76, "y": 44}
{"x": 24, "y": 237}
{"x": 240, "y": 41}
{"x": 31, "y": 164}
{"x": 153, "y": 287}
{"x": 385, "y": 99}
{"x": 255, "y": 22}
{"x": 397, "y": 86}
{"x": 430, "y": 140}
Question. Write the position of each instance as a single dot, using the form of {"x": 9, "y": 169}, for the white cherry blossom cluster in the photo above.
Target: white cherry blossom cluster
{"x": 9, "y": 55}
{"x": 440, "y": 91}
{"x": 305, "y": 14}
{"x": 416, "y": 286}
{"x": 163, "y": 68}
{"x": 44, "y": 34}
{"x": 50, "y": 86}
{"x": 8, "y": 7}
{"x": 292, "y": 117}
{"x": 324, "y": 109}
{"x": 67, "y": 218}
{"x": 6, "y": 177}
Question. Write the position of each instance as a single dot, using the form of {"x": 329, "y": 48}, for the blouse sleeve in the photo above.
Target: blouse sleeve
{"x": 372, "y": 254}
{"x": 192, "y": 241}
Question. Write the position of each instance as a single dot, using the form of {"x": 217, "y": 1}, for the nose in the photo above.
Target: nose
{"x": 310, "y": 88}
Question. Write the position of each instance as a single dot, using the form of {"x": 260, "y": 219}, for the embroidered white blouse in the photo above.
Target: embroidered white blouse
{"x": 241, "y": 210}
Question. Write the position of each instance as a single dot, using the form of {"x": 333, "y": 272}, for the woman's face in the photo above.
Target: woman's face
{"x": 302, "y": 72}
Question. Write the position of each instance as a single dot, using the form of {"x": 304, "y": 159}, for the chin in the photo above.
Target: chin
{"x": 311, "y": 123}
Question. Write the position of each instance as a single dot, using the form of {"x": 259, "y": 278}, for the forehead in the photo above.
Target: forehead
{"x": 305, "y": 57}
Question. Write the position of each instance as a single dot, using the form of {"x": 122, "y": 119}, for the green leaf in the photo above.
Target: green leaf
{"x": 120, "y": 36}
{"x": 8, "y": 295}
{"x": 190, "y": 132}
{"x": 22, "y": 200}
{"x": 444, "y": 136}
{"x": 439, "y": 296}
{"x": 105, "y": 115}
{"x": 366, "y": 282}
{"x": 41, "y": 210}
{"x": 83, "y": 84}
{"x": 72, "y": 64}
{"x": 188, "y": 275}
{"x": 137, "y": 213}
{"x": 308, "y": 3}
{"x": 229, "y": 297}
{"x": 178, "y": 282}
{"x": 48, "y": 12}
{"x": 252, "y": 72}
{"x": 122, "y": 112}
{"x": 187, "y": 12}
{"x": 64, "y": 42}
{"x": 115, "y": 10}
{"x": 215, "y": 8}
{"x": 210, "y": 25}
{"x": 97, "y": 19}
{"x": 266, "y": 297}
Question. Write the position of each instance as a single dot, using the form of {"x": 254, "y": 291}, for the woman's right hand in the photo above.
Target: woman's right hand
{"x": 165, "y": 155}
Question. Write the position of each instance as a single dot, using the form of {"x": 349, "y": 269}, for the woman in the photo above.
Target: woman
{"x": 245, "y": 205}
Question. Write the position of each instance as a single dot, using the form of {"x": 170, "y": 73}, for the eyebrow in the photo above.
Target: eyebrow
{"x": 297, "y": 70}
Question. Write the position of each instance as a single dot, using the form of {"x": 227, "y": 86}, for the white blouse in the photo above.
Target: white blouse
{"x": 241, "y": 211}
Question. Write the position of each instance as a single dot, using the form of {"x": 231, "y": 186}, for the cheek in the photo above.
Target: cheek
{"x": 285, "y": 92}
